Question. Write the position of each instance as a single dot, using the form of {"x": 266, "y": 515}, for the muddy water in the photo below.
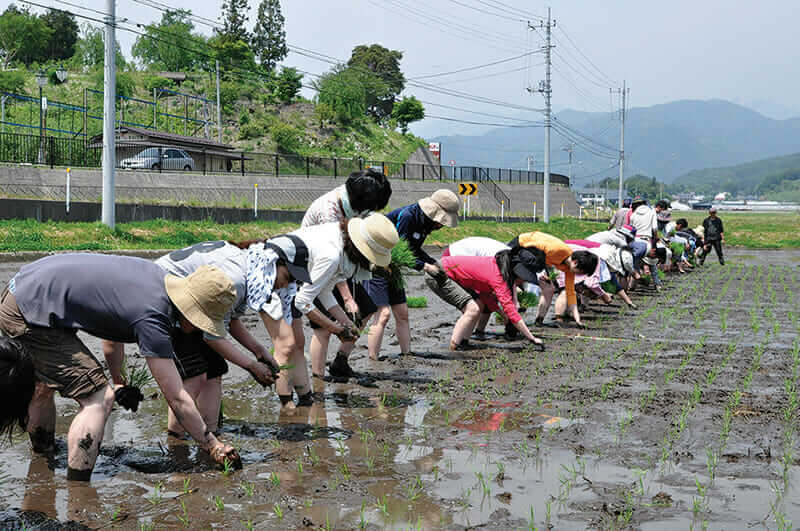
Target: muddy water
{"x": 635, "y": 422}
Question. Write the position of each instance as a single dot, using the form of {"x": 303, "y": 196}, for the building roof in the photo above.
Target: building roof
{"x": 177, "y": 140}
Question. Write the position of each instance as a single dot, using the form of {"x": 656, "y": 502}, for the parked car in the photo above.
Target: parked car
{"x": 171, "y": 159}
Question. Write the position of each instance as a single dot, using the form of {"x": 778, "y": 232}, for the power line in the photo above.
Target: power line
{"x": 602, "y": 74}
{"x": 486, "y": 12}
{"x": 510, "y": 9}
{"x": 501, "y": 61}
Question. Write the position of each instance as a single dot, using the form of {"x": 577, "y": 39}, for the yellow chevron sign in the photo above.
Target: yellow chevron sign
{"x": 467, "y": 189}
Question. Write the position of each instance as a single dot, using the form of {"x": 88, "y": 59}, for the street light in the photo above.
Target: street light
{"x": 41, "y": 80}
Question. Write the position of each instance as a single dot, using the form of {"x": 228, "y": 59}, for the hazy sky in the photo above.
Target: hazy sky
{"x": 740, "y": 51}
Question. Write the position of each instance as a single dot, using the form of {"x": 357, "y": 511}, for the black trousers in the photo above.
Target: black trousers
{"x": 717, "y": 245}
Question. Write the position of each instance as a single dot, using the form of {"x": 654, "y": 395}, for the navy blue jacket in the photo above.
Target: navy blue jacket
{"x": 413, "y": 226}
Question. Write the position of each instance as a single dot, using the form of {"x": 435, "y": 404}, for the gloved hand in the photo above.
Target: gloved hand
{"x": 347, "y": 334}
{"x": 128, "y": 397}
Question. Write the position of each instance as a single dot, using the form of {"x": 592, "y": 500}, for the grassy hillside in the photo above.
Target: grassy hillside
{"x": 249, "y": 122}
{"x": 775, "y": 178}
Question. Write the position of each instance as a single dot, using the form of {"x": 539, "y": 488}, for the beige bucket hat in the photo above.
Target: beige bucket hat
{"x": 441, "y": 207}
{"x": 204, "y": 297}
{"x": 374, "y": 236}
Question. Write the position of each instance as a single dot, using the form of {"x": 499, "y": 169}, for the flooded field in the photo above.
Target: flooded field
{"x": 680, "y": 414}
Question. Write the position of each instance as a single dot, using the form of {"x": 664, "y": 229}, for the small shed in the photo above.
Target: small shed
{"x": 208, "y": 155}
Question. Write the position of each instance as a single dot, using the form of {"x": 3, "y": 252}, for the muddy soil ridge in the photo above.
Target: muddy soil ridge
{"x": 682, "y": 413}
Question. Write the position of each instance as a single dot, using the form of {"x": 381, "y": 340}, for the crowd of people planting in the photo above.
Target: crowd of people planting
{"x": 341, "y": 273}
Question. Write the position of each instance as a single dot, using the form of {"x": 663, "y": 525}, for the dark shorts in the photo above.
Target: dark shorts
{"x": 366, "y": 306}
{"x": 449, "y": 290}
{"x": 61, "y": 360}
{"x": 195, "y": 356}
{"x": 383, "y": 293}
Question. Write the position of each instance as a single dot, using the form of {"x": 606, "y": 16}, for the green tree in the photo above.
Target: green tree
{"x": 23, "y": 37}
{"x": 384, "y": 64}
{"x": 342, "y": 91}
{"x": 288, "y": 84}
{"x": 233, "y": 55}
{"x": 269, "y": 37}
{"x": 408, "y": 110}
{"x": 166, "y": 45}
{"x": 12, "y": 81}
{"x": 61, "y": 44}
{"x": 90, "y": 50}
{"x": 234, "y": 21}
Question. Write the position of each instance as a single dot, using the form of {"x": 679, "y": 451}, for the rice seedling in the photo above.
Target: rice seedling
{"x": 227, "y": 467}
{"x": 186, "y": 485}
{"x": 402, "y": 256}
{"x": 184, "y": 516}
{"x": 300, "y": 466}
{"x": 362, "y": 521}
{"x": 278, "y": 511}
{"x": 417, "y": 302}
{"x": 274, "y": 479}
{"x": 380, "y": 504}
{"x": 155, "y": 497}
{"x": 219, "y": 505}
{"x": 312, "y": 455}
{"x": 135, "y": 376}
{"x": 248, "y": 488}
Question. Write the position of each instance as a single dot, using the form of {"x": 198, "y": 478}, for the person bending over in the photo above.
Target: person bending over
{"x": 413, "y": 223}
{"x": 120, "y": 299}
{"x": 471, "y": 282}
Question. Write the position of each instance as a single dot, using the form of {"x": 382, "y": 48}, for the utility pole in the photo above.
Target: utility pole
{"x": 624, "y": 92}
{"x": 109, "y": 97}
{"x": 219, "y": 110}
{"x": 569, "y": 148}
{"x": 545, "y": 88}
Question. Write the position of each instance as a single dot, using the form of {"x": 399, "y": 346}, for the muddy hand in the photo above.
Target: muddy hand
{"x": 128, "y": 397}
{"x": 538, "y": 344}
{"x": 226, "y": 455}
{"x": 262, "y": 373}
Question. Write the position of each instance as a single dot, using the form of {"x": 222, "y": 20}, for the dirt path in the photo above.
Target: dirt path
{"x": 681, "y": 413}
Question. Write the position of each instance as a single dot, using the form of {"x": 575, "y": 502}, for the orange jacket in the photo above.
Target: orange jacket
{"x": 556, "y": 252}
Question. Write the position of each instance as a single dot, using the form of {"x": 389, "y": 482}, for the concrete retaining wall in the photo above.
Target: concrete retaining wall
{"x": 232, "y": 190}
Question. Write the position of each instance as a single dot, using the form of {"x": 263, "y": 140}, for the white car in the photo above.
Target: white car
{"x": 171, "y": 159}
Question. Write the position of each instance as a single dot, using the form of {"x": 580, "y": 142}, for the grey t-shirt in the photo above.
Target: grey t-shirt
{"x": 112, "y": 297}
{"x": 229, "y": 258}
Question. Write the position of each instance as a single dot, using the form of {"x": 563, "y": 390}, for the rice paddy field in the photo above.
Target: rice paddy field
{"x": 681, "y": 414}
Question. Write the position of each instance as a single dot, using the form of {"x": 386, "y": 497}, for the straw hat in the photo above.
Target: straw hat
{"x": 204, "y": 297}
{"x": 441, "y": 207}
{"x": 374, "y": 236}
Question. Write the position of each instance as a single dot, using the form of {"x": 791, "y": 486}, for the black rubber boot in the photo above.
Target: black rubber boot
{"x": 340, "y": 368}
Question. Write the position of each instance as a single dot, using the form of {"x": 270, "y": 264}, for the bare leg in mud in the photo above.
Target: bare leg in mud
{"x": 41, "y": 425}
{"x": 402, "y": 329}
{"x": 318, "y": 349}
{"x": 193, "y": 386}
{"x": 86, "y": 433}
{"x": 209, "y": 402}
{"x": 466, "y": 323}
{"x": 544, "y": 301}
{"x": 292, "y": 354}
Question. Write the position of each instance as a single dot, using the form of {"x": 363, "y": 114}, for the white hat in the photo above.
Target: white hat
{"x": 374, "y": 236}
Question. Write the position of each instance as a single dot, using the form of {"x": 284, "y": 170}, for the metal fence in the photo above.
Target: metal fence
{"x": 78, "y": 152}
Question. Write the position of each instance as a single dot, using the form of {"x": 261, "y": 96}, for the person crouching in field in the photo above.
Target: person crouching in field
{"x": 559, "y": 255}
{"x": 413, "y": 223}
{"x": 124, "y": 299}
{"x": 471, "y": 282}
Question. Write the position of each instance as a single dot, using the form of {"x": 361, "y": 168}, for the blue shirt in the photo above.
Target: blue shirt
{"x": 413, "y": 226}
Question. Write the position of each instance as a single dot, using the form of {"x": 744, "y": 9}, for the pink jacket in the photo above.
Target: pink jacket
{"x": 481, "y": 275}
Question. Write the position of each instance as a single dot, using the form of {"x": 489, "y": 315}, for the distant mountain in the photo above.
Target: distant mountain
{"x": 774, "y": 178}
{"x": 664, "y": 141}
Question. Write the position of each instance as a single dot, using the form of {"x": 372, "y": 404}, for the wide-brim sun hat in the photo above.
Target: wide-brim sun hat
{"x": 627, "y": 261}
{"x": 526, "y": 264}
{"x": 374, "y": 236}
{"x": 294, "y": 253}
{"x": 441, "y": 207}
{"x": 203, "y": 298}
{"x": 629, "y": 231}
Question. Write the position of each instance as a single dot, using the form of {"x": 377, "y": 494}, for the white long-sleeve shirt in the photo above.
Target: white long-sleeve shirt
{"x": 327, "y": 265}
